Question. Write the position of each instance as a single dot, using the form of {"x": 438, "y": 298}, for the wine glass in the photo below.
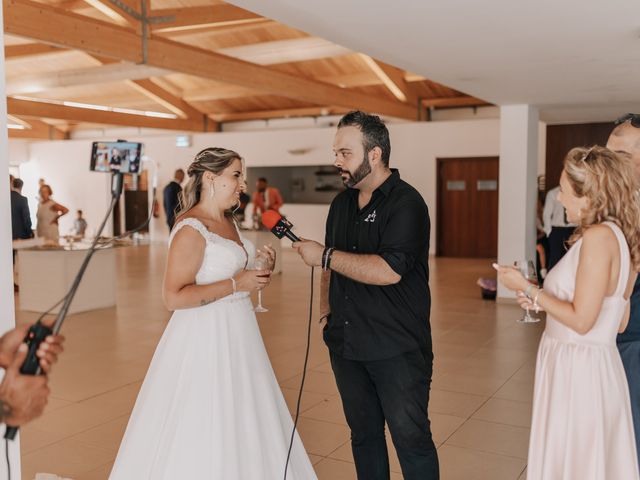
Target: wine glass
{"x": 262, "y": 262}
{"x": 528, "y": 270}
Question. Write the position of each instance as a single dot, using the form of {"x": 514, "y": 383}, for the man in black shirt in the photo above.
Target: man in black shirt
{"x": 625, "y": 140}
{"x": 376, "y": 301}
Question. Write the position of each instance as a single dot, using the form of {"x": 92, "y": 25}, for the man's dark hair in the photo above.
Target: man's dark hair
{"x": 262, "y": 179}
{"x": 374, "y": 132}
{"x": 17, "y": 183}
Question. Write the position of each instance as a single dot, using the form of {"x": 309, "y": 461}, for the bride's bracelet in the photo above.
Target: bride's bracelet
{"x": 234, "y": 286}
{"x": 536, "y": 307}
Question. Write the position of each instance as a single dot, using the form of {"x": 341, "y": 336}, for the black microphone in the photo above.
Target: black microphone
{"x": 279, "y": 226}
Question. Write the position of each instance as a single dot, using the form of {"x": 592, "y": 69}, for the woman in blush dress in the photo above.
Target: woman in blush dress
{"x": 210, "y": 406}
{"x": 581, "y": 426}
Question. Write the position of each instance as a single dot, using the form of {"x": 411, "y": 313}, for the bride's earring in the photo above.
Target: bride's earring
{"x": 212, "y": 192}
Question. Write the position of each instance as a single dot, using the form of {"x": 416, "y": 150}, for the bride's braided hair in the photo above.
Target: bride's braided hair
{"x": 212, "y": 159}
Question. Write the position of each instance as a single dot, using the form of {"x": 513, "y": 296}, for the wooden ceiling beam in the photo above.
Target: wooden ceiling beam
{"x": 286, "y": 51}
{"x": 160, "y": 95}
{"x": 181, "y": 19}
{"x": 217, "y": 28}
{"x": 392, "y": 78}
{"x": 113, "y": 12}
{"x": 37, "y": 129}
{"x": 268, "y": 114}
{"x": 224, "y": 91}
{"x": 58, "y": 27}
{"x": 465, "y": 101}
{"x": 114, "y": 72}
{"x": 28, "y": 108}
{"x": 28, "y": 49}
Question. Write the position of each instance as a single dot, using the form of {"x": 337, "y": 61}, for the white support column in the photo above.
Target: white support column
{"x": 7, "y": 312}
{"x": 518, "y": 172}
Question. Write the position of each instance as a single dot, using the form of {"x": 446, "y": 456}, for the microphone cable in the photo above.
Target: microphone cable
{"x": 304, "y": 375}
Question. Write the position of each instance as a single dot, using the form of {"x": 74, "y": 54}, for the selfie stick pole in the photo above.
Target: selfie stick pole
{"x": 38, "y": 332}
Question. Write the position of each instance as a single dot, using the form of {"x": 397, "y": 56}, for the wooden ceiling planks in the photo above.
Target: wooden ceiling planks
{"x": 283, "y": 49}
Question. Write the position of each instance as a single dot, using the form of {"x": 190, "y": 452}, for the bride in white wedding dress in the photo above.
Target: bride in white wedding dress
{"x": 210, "y": 406}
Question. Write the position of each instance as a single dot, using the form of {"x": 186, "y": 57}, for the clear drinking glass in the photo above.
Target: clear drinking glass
{"x": 528, "y": 270}
{"x": 262, "y": 262}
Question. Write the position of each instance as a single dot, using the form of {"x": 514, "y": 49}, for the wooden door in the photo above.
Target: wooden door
{"x": 467, "y": 210}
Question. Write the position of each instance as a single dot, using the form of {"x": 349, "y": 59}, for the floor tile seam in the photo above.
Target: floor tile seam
{"x": 485, "y": 451}
{"x": 70, "y": 437}
{"x": 77, "y": 441}
{"x": 106, "y": 392}
{"x": 323, "y": 421}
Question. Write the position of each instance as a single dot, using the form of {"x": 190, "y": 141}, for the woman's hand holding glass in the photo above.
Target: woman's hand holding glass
{"x": 264, "y": 261}
{"x": 250, "y": 280}
{"x": 519, "y": 279}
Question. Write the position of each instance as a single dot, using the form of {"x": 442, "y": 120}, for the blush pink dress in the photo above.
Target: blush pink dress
{"x": 581, "y": 427}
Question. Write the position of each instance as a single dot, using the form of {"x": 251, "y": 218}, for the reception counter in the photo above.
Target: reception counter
{"x": 45, "y": 275}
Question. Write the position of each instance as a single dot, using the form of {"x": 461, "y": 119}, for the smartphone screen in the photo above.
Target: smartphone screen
{"x": 123, "y": 157}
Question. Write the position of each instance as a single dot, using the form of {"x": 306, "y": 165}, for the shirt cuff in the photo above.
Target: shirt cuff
{"x": 399, "y": 262}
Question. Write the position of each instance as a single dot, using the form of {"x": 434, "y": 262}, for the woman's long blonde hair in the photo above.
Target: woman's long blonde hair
{"x": 212, "y": 159}
{"x": 610, "y": 184}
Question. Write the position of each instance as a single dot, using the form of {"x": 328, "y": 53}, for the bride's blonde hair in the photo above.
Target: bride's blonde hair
{"x": 609, "y": 183}
{"x": 212, "y": 159}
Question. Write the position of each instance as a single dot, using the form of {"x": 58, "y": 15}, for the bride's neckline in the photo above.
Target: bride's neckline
{"x": 239, "y": 243}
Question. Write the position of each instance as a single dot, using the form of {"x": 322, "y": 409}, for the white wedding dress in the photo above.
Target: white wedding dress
{"x": 210, "y": 407}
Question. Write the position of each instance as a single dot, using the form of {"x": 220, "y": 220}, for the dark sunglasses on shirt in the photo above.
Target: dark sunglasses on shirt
{"x": 634, "y": 118}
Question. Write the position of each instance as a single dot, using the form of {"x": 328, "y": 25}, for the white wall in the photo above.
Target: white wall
{"x": 7, "y": 313}
{"x": 414, "y": 149}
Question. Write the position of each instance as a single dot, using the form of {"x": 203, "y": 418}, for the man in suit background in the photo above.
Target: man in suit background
{"x": 20, "y": 215}
{"x": 171, "y": 197}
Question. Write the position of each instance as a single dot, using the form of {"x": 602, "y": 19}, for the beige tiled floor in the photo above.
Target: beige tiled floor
{"x": 480, "y": 399}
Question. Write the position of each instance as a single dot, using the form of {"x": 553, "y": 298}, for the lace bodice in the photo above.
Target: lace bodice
{"x": 223, "y": 258}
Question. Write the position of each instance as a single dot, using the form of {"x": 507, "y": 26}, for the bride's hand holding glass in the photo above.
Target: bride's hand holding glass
{"x": 264, "y": 262}
{"x": 250, "y": 280}
{"x": 269, "y": 256}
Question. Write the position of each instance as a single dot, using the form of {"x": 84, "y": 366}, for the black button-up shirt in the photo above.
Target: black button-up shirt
{"x": 370, "y": 322}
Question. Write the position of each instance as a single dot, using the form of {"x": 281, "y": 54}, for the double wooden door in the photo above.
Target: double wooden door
{"x": 467, "y": 210}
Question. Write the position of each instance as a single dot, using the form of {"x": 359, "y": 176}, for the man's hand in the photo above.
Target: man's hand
{"x": 47, "y": 352}
{"x": 23, "y": 397}
{"x": 310, "y": 251}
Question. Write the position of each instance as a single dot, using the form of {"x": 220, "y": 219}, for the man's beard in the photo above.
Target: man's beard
{"x": 356, "y": 177}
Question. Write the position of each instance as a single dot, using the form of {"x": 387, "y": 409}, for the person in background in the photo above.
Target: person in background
{"x": 20, "y": 215}
{"x": 266, "y": 198}
{"x": 171, "y": 197}
{"x": 556, "y": 226}
{"x": 20, "y": 219}
{"x": 625, "y": 141}
{"x": 542, "y": 243}
{"x": 48, "y": 214}
{"x": 242, "y": 206}
{"x": 581, "y": 426}
{"x": 80, "y": 225}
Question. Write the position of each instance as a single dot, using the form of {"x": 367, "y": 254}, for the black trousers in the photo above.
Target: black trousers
{"x": 395, "y": 390}
{"x": 557, "y": 244}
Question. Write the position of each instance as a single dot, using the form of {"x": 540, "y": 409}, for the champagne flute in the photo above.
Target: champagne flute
{"x": 528, "y": 270}
{"x": 261, "y": 262}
